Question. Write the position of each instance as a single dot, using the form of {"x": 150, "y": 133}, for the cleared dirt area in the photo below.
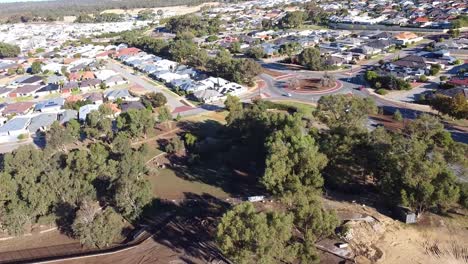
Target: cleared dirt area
{"x": 435, "y": 239}
{"x": 51, "y": 238}
{"x": 150, "y": 252}
{"x": 173, "y": 10}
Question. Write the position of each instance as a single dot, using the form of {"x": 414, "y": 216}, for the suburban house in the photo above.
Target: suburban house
{"x": 26, "y": 90}
{"x": 4, "y": 92}
{"x": 20, "y": 108}
{"x": 41, "y": 122}
{"x": 85, "y": 110}
{"x": 411, "y": 64}
{"x": 50, "y": 105}
{"x": 48, "y": 89}
{"x": 406, "y": 38}
{"x": 13, "y": 128}
{"x": 122, "y": 94}
{"x": 125, "y": 106}
{"x": 459, "y": 82}
{"x": 88, "y": 84}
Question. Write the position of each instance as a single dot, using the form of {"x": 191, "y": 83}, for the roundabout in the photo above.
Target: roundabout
{"x": 294, "y": 84}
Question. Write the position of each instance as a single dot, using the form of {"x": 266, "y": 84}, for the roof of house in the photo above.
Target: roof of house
{"x": 125, "y": 106}
{"x": 49, "y": 88}
{"x": 70, "y": 85}
{"x": 454, "y": 91}
{"x": 421, "y": 20}
{"x": 383, "y": 35}
{"x": 93, "y": 97}
{"x": 17, "y": 123}
{"x": 411, "y": 61}
{"x": 459, "y": 82}
{"x": 17, "y": 108}
{"x": 90, "y": 82}
{"x": 49, "y": 103}
{"x": 380, "y": 44}
{"x": 4, "y": 90}
{"x": 117, "y": 93}
{"x": 67, "y": 115}
{"x": 32, "y": 79}
{"x": 86, "y": 109}
{"x": 40, "y": 121}
{"x": 27, "y": 89}
{"x": 406, "y": 36}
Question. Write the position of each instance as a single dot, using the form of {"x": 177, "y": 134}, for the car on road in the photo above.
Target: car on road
{"x": 287, "y": 94}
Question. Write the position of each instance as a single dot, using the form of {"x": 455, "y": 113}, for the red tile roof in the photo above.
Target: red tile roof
{"x": 459, "y": 82}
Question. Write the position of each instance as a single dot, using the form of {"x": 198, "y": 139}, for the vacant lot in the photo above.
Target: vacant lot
{"x": 173, "y": 10}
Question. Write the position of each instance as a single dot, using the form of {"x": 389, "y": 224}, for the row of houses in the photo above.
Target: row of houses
{"x": 26, "y": 118}
{"x": 181, "y": 77}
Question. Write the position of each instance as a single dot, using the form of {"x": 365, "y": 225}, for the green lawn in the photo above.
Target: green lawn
{"x": 23, "y": 99}
{"x": 305, "y": 109}
{"x": 167, "y": 184}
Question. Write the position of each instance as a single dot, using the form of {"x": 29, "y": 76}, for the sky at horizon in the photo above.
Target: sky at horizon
{"x": 16, "y": 1}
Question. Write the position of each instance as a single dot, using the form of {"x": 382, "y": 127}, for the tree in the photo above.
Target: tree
{"x": 454, "y": 33}
{"x": 121, "y": 143}
{"x": 146, "y": 14}
{"x": 290, "y": 48}
{"x": 98, "y": 124}
{"x": 164, "y": 115}
{"x": 36, "y": 67}
{"x": 235, "y": 47}
{"x": 234, "y": 107}
{"x": 344, "y": 111}
{"x": 182, "y": 49}
{"x": 435, "y": 69}
{"x": 175, "y": 145}
{"x": 136, "y": 122}
{"x": 97, "y": 228}
{"x": 57, "y": 136}
{"x": 8, "y": 50}
{"x": 154, "y": 100}
{"x": 397, "y": 116}
{"x": 310, "y": 216}
{"x": 244, "y": 71}
{"x": 131, "y": 195}
{"x": 293, "y": 162}
{"x": 190, "y": 139}
{"x": 456, "y": 106}
{"x": 246, "y": 236}
{"x": 293, "y": 19}
{"x": 256, "y": 52}
{"x": 20, "y": 70}
{"x": 312, "y": 60}
{"x": 371, "y": 76}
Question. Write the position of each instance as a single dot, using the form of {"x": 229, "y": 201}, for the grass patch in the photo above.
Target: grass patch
{"x": 23, "y": 99}
{"x": 166, "y": 184}
{"x": 207, "y": 116}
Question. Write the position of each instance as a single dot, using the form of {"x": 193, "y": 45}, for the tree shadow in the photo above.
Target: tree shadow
{"x": 65, "y": 214}
{"x": 191, "y": 229}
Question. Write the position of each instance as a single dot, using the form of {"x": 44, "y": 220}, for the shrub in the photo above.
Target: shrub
{"x": 382, "y": 91}
{"x": 22, "y": 137}
{"x": 443, "y": 78}
{"x": 212, "y": 38}
{"x": 423, "y": 78}
{"x": 397, "y": 116}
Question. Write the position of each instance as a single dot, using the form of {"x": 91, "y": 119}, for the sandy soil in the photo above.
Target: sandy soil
{"x": 433, "y": 240}
{"x": 174, "y": 10}
{"x": 51, "y": 238}
{"x": 148, "y": 252}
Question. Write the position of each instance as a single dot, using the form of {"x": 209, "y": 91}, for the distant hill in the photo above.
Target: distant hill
{"x": 59, "y": 8}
